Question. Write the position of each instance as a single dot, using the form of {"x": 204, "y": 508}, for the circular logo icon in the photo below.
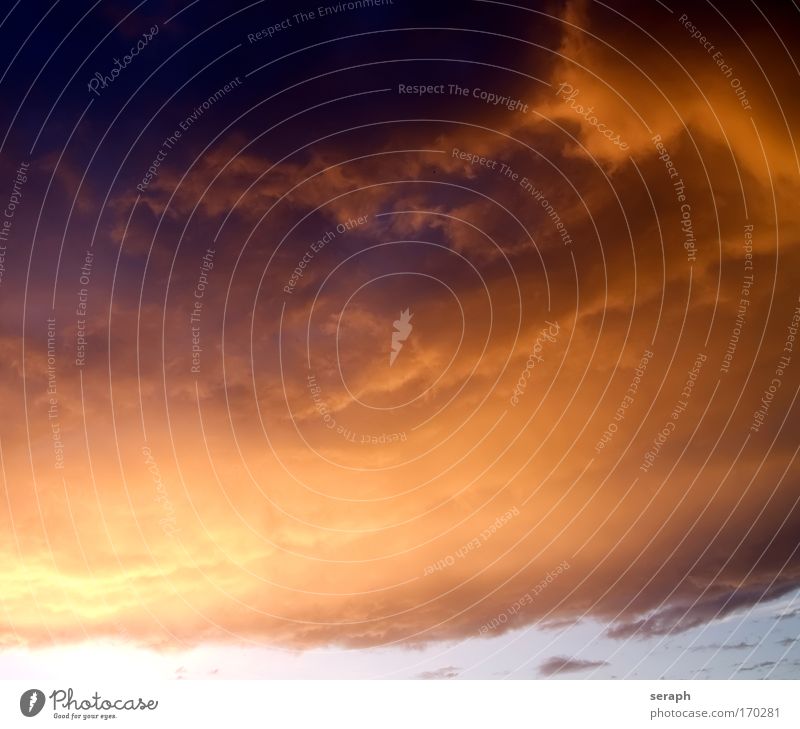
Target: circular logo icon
{"x": 31, "y": 702}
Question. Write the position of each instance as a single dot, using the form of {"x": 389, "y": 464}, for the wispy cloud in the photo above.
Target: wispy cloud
{"x": 561, "y": 664}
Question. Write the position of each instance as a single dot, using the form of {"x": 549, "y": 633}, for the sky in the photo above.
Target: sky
{"x": 399, "y": 339}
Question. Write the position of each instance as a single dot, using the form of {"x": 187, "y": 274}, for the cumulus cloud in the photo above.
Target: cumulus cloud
{"x": 360, "y": 507}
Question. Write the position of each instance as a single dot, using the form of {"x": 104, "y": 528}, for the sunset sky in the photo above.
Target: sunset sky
{"x": 400, "y": 339}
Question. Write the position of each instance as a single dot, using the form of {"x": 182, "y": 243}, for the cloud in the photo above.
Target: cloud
{"x": 723, "y": 647}
{"x": 440, "y": 673}
{"x": 759, "y": 666}
{"x": 561, "y": 664}
{"x": 298, "y": 530}
{"x": 680, "y": 618}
